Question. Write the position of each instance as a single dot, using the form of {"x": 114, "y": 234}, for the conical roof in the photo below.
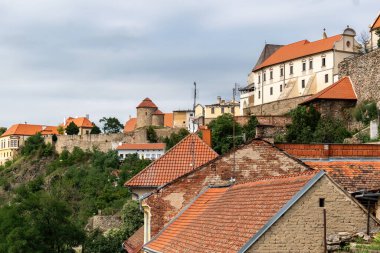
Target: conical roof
{"x": 147, "y": 103}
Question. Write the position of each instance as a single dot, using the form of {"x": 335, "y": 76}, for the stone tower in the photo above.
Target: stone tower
{"x": 158, "y": 118}
{"x": 145, "y": 111}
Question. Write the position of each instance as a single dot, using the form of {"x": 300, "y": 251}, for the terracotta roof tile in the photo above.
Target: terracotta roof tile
{"x": 299, "y": 49}
{"x": 174, "y": 163}
{"x": 135, "y": 242}
{"x": 29, "y": 130}
{"x": 130, "y": 125}
{"x": 147, "y": 103}
{"x": 80, "y": 122}
{"x": 145, "y": 146}
{"x": 341, "y": 89}
{"x": 376, "y": 24}
{"x": 352, "y": 175}
{"x": 158, "y": 112}
{"x": 224, "y": 219}
{"x": 168, "y": 120}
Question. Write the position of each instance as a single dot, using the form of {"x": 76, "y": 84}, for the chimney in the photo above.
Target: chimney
{"x": 88, "y": 116}
{"x": 206, "y": 135}
{"x": 218, "y": 99}
{"x": 43, "y": 128}
{"x": 324, "y": 35}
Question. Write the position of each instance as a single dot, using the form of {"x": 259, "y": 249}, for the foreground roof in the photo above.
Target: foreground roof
{"x": 299, "y": 49}
{"x": 340, "y": 90}
{"x": 174, "y": 163}
{"x": 135, "y": 243}
{"x": 29, "y": 130}
{"x": 353, "y": 176}
{"x": 230, "y": 219}
{"x": 142, "y": 146}
{"x": 80, "y": 122}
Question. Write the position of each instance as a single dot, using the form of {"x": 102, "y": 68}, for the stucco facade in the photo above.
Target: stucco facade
{"x": 205, "y": 114}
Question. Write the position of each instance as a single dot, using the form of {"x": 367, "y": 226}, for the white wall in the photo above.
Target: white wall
{"x": 147, "y": 154}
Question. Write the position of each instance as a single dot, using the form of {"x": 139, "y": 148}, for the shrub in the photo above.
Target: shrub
{"x": 72, "y": 129}
{"x": 151, "y": 135}
{"x": 304, "y": 122}
{"x": 365, "y": 112}
{"x": 174, "y": 138}
{"x": 33, "y": 145}
{"x": 330, "y": 130}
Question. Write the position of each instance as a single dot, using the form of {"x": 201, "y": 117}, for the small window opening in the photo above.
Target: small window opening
{"x": 321, "y": 202}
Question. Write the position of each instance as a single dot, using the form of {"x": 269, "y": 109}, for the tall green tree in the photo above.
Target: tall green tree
{"x": 72, "y": 129}
{"x": 95, "y": 129}
{"x": 174, "y": 138}
{"x": 151, "y": 134}
{"x": 249, "y": 129}
{"x": 2, "y": 130}
{"x": 111, "y": 125}
{"x": 222, "y": 133}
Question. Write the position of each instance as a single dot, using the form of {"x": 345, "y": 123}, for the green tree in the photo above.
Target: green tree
{"x": 330, "y": 130}
{"x": 222, "y": 133}
{"x": 249, "y": 129}
{"x": 111, "y": 125}
{"x": 2, "y": 130}
{"x": 174, "y": 138}
{"x": 95, "y": 129}
{"x": 132, "y": 216}
{"x": 131, "y": 165}
{"x": 72, "y": 129}
{"x": 60, "y": 129}
{"x": 34, "y": 144}
{"x": 366, "y": 111}
{"x": 151, "y": 135}
{"x": 304, "y": 122}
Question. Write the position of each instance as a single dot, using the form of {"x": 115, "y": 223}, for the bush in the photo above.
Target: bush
{"x": 174, "y": 138}
{"x": 330, "y": 131}
{"x": 304, "y": 122}
{"x": 72, "y": 129}
{"x": 151, "y": 135}
{"x": 365, "y": 112}
{"x": 250, "y": 128}
{"x": 34, "y": 144}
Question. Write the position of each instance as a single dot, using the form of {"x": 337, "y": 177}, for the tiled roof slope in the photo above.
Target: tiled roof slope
{"x": 376, "y": 24}
{"x": 224, "y": 219}
{"x": 175, "y": 163}
{"x": 80, "y": 122}
{"x": 145, "y": 146}
{"x": 341, "y": 89}
{"x": 135, "y": 243}
{"x": 130, "y": 125}
{"x": 300, "y": 49}
{"x": 168, "y": 120}
{"x": 353, "y": 176}
{"x": 147, "y": 103}
{"x": 29, "y": 130}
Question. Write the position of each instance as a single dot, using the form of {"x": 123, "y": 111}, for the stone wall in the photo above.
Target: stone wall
{"x": 104, "y": 142}
{"x": 280, "y": 107}
{"x": 104, "y": 222}
{"x": 253, "y": 160}
{"x": 300, "y": 229}
{"x": 364, "y": 71}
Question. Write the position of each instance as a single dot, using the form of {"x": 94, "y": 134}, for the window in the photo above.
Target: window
{"x": 281, "y": 72}
{"x": 303, "y": 84}
{"x": 321, "y": 202}
{"x": 233, "y": 109}
{"x": 259, "y": 79}
{"x": 348, "y": 44}
{"x": 264, "y": 77}
{"x": 291, "y": 69}
{"x": 326, "y": 78}
{"x": 222, "y": 109}
{"x": 280, "y": 87}
{"x": 311, "y": 64}
{"x": 259, "y": 94}
{"x": 271, "y": 75}
{"x": 304, "y": 66}
{"x": 212, "y": 110}
{"x": 271, "y": 91}
{"x": 324, "y": 62}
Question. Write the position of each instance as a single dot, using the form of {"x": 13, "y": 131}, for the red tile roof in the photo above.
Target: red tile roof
{"x": 225, "y": 219}
{"x": 145, "y": 146}
{"x": 29, "y": 130}
{"x": 80, "y": 122}
{"x": 158, "y": 112}
{"x": 147, "y": 103}
{"x": 130, "y": 125}
{"x": 299, "y": 49}
{"x": 135, "y": 242}
{"x": 376, "y": 24}
{"x": 174, "y": 163}
{"x": 353, "y": 176}
{"x": 168, "y": 120}
{"x": 342, "y": 90}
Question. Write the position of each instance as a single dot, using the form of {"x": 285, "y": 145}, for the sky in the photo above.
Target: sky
{"x": 61, "y": 58}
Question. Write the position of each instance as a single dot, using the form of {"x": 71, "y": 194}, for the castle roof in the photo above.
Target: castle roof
{"x": 158, "y": 112}
{"x": 147, "y": 103}
{"x": 299, "y": 49}
{"x": 29, "y": 130}
{"x": 376, "y": 24}
{"x": 340, "y": 90}
{"x": 80, "y": 122}
{"x": 174, "y": 163}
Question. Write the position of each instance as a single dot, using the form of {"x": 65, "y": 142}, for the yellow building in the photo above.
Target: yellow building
{"x": 205, "y": 114}
{"x": 15, "y": 136}
{"x": 184, "y": 119}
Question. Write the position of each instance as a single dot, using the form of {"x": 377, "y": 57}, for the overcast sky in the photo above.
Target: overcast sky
{"x": 74, "y": 57}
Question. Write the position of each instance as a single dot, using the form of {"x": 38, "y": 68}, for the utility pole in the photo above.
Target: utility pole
{"x": 193, "y": 126}
{"x": 233, "y": 128}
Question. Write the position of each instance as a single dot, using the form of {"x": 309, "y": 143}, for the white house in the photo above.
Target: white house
{"x": 144, "y": 150}
{"x": 373, "y": 28}
{"x": 298, "y": 69}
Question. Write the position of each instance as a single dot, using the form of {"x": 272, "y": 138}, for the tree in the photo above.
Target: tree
{"x": 330, "y": 130}
{"x": 174, "y": 138}
{"x": 366, "y": 111}
{"x": 111, "y": 125}
{"x": 33, "y": 144}
{"x": 95, "y": 129}
{"x": 72, "y": 129}
{"x": 304, "y": 122}
{"x": 2, "y": 130}
{"x": 132, "y": 165}
{"x": 60, "y": 129}
{"x": 249, "y": 129}
{"x": 151, "y": 135}
{"x": 222, "y": 133}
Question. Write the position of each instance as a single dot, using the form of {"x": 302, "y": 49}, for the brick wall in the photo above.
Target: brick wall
{"x": 300, "y": 229}
{"x": 331, "y": 150}
{"x": 364, "y": 71}
{"x": 254, "y": 160}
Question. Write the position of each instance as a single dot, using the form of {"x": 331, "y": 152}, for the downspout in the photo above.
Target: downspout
{"x": 262, "y": 91}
